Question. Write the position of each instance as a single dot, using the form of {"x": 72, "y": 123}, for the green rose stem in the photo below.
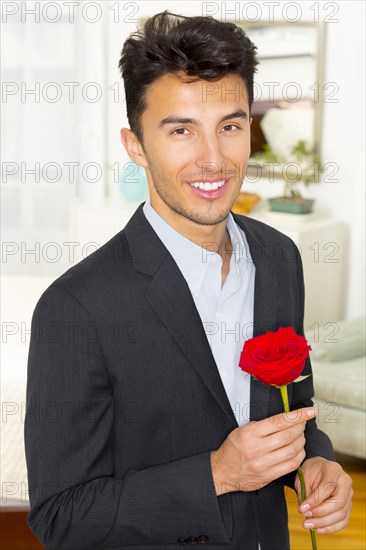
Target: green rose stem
{"x": 284, "y": 395}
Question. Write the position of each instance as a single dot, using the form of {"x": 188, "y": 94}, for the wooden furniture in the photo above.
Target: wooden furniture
{"x": 14, "y": 531}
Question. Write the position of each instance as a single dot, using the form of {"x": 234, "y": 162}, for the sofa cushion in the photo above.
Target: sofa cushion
{"x": 338, "y": 341}
{"x": 342, "y": 383}
{"x": 346, "y": 427}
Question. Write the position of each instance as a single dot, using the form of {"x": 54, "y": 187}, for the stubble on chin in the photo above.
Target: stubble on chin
{"x": 201, "y": 218}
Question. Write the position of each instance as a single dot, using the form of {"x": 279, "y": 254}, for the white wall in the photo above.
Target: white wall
{"x": 342, "y": 141}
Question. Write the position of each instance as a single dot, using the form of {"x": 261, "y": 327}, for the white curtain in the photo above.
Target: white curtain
{"x": 54, "y": 128}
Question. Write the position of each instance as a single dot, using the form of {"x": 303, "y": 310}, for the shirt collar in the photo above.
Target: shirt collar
{"x": 193, "y": 260}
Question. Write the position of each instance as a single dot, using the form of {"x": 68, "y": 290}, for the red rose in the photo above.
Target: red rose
{"x": 275, "y": 358}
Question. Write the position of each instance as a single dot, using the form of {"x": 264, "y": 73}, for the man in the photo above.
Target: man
{"x": 132, "y": 347}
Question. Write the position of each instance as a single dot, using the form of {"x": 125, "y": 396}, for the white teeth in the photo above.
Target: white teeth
{"x": 206, "y": 186}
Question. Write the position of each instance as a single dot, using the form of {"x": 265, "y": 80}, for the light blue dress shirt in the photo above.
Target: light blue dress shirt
{"x": 226, "y": 312}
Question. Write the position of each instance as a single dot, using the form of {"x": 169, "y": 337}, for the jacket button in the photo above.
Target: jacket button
{"x": 202, "y": 539}
{"x": 193, "y": 540}
{"x": 182, "y": 541}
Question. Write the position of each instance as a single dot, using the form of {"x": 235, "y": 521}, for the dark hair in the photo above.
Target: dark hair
{"x": 202, "y": 47}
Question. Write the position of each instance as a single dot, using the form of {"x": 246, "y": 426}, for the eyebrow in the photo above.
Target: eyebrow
{"x": 184, "y": 120}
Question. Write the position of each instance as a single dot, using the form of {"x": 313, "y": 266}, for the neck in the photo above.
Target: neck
{"x": 214, "y": 238}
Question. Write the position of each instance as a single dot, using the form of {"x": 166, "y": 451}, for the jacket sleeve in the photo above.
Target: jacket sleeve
{"x": 76, "y": 502}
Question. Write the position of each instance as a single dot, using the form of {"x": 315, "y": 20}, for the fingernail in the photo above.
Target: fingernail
{"x": 309, "y": 525}
{"x": 304, "y": 507}
{"x": 311, "y": 412}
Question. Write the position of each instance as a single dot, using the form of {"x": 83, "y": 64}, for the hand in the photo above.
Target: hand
{"x": 329, "y": 499}
{"x": 259, "y": 452}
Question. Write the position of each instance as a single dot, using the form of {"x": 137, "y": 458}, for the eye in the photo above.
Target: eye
{"x": 234, "y": 126}
{"x": 179, "y": 131}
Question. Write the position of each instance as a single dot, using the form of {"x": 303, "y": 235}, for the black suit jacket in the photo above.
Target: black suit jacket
{"x": 125, "y": 402}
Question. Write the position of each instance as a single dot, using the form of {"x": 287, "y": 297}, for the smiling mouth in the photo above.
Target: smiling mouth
{"x": 208, "y": 186}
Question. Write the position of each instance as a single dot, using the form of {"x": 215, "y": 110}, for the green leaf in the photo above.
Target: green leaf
{"x": 301, "y": 378}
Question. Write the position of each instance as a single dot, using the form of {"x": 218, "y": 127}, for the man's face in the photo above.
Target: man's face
{"x": 196, "y": 132}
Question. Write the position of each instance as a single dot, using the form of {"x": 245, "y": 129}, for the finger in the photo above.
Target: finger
{"x": 285, "y": 438}
{"x": 317, "y": 492}
{"x": 337, "y": 502}
{"x": 280, "y": 463}
{"x": 339, "y": 499}
{"x": 283, "y": 421}
{"x": 332, "y": 522}
{"x": 333, "y": 528}
{"x": 311, "y": 492}
{"x": 289, "y": 463}
{"x": 335, "y": 486}
{"x": 336, "y": 526}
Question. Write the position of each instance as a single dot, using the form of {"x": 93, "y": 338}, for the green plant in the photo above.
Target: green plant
{"x": 301, "y": 166}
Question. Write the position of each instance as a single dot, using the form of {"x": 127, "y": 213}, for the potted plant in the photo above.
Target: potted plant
{"x": 302, "y": 166}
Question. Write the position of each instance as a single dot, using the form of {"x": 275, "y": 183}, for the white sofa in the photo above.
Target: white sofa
{"x": 338, "y": 361}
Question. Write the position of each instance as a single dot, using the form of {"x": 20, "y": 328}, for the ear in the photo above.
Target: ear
{"x": 133, "y": 147}
{"x": 250, "y": 141}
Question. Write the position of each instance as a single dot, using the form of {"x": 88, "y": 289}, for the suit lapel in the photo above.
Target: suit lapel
{"x": 170, "y": 297}
{"x": 265, "y": 289}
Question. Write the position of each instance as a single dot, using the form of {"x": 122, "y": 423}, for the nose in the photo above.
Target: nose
{"x": 209, "y": 157}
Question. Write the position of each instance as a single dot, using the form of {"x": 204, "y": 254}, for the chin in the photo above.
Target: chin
{"x": 204, "y": 218}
